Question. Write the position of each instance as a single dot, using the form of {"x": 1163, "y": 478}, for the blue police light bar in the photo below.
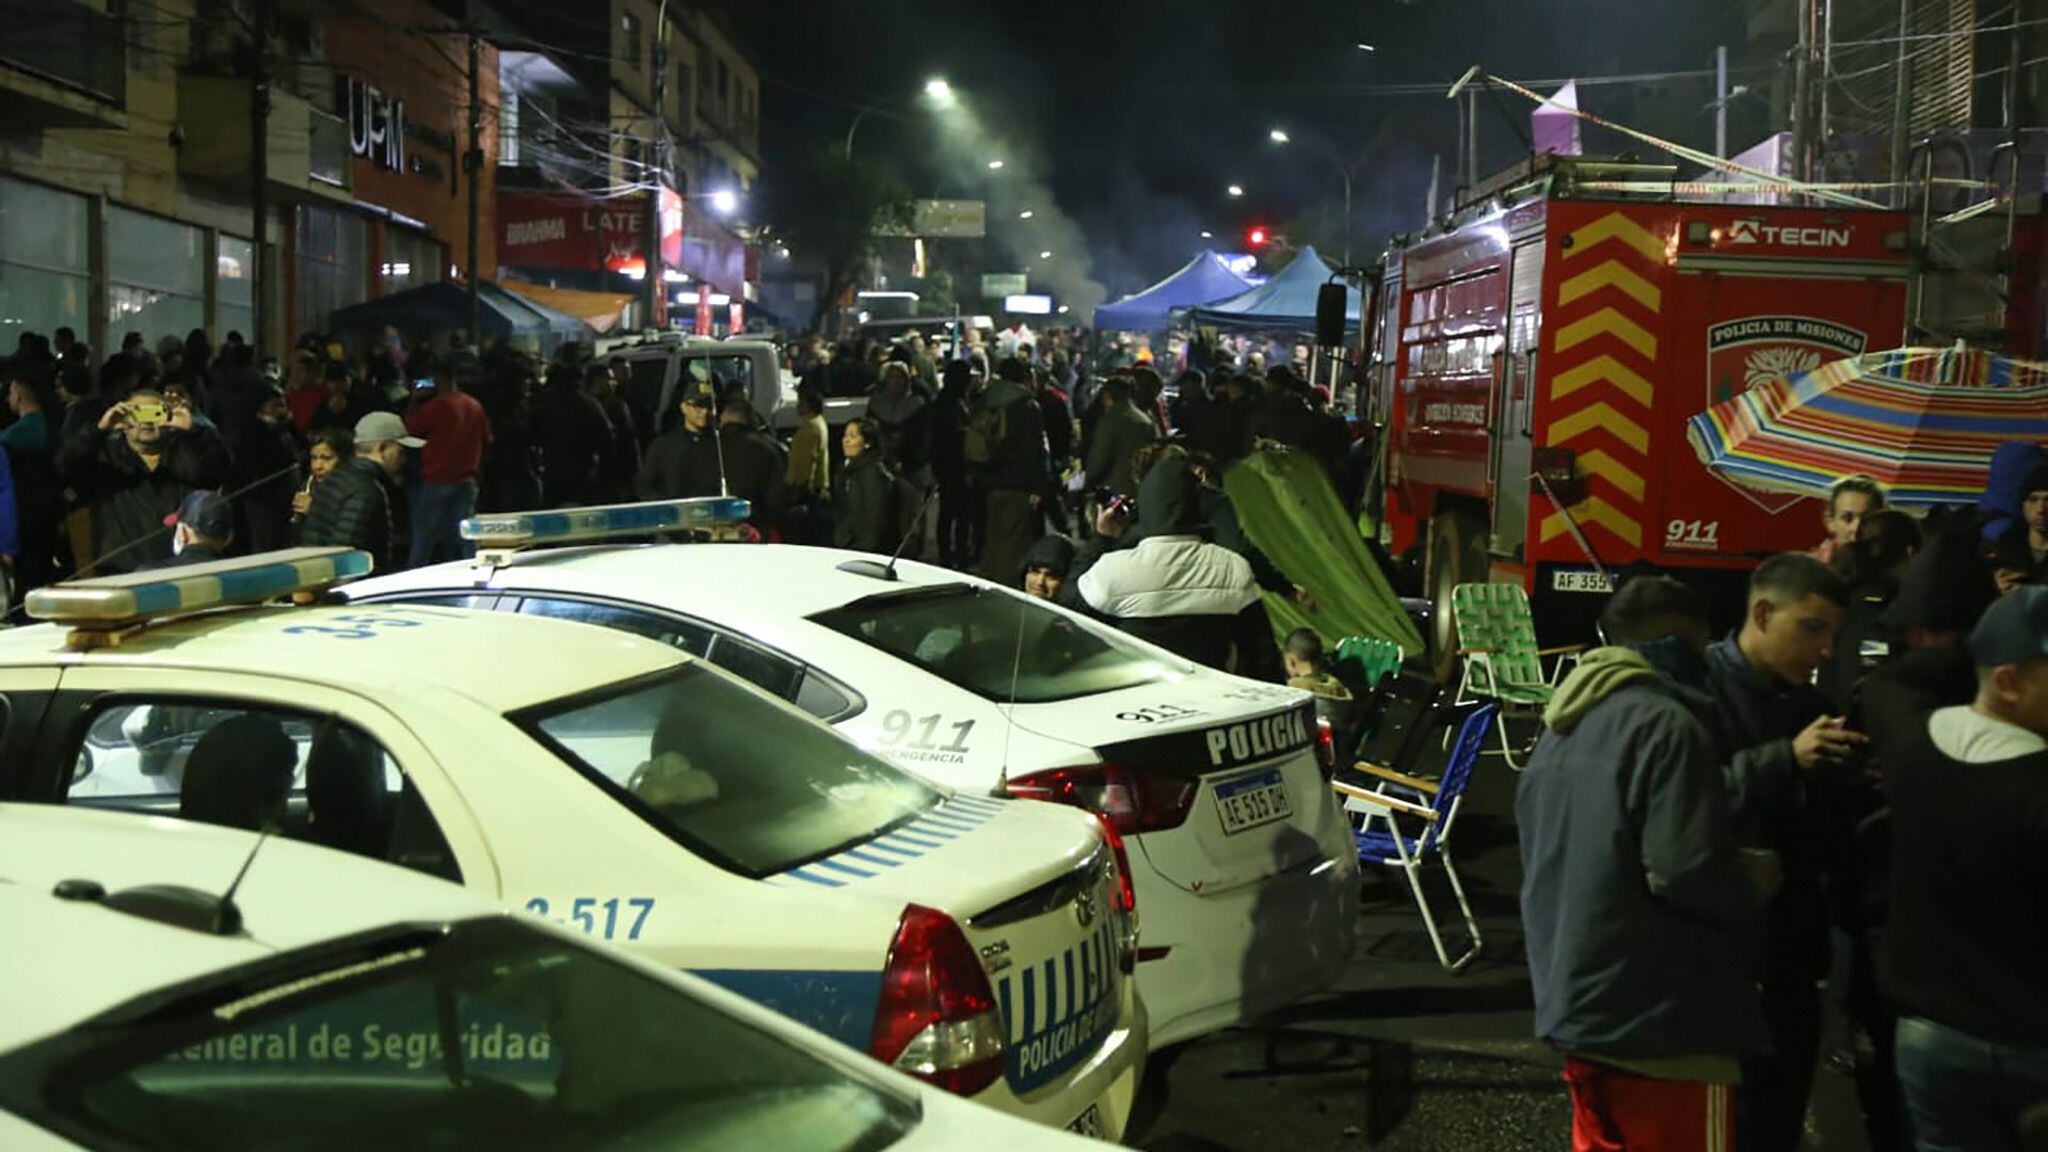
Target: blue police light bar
{"x": 571, "y": 525}
{"x": 114, "y": 600}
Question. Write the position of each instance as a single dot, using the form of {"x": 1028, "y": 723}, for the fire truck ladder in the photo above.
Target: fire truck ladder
{"x": 1962, "y": 261}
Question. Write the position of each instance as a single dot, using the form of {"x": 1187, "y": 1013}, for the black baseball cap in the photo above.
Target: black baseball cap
{"x": 700, "y": 393}
{"x": 206, "y": 512}
{"x": 2013, "y": 630}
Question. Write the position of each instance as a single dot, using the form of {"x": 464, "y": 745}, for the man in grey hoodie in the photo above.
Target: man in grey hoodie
{"x": 1641, "y": 912}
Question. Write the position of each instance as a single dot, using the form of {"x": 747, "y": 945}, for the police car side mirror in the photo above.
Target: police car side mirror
{"x": 84, "y": 767}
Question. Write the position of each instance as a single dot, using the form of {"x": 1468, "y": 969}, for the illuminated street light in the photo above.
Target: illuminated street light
{"x": 1026, "y": 214}
{"x": 940, "y": 92}
{"x": 1045, "y": 255}
{"x": 1235, "y": 189}
{"x": 1208, "y": 235}
{"x": 725, "y": 202}
{"x": 1278, "y": 136}
{"x": 1367, "y": 48}
{"x": 1063, "y": 309}
{"x": 995, "y": 165}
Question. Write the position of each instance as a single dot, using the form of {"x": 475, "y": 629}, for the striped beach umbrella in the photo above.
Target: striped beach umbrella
{"x": 1923, "y": 421}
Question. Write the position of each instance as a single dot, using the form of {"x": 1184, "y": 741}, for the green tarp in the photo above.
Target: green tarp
{"x": 1289, "y": 510}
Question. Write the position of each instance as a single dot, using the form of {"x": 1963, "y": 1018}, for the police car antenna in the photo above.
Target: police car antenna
{"x": 718, "y": 446}
{"x": 915, "y": 530}
{"x": 1010, "y": 709}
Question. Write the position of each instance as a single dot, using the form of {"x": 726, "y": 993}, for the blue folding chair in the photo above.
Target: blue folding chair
{"x": 1374, "y": 793}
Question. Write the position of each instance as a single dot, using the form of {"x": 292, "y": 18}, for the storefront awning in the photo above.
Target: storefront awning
{"x": 601, "y": 310}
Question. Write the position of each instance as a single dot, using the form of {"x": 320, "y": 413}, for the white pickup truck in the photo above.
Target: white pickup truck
{"x": 657, "y": 367}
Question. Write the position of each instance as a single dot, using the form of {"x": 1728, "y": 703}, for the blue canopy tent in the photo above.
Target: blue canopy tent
{"x": 1286, "y": 302}
{"x": 444, "y": 307}
{"x": 1203, "y": 280}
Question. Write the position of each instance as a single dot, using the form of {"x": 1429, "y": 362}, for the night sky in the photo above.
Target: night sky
{"x": 1121, "y": 123}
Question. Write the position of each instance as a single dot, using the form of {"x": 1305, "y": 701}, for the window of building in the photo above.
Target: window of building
{"x": 508, "y": 127}
{"x": 411, "y": 259}
{"x": 44, "y": 276}
{"x": 630, "y": 24}
{"x": 156, "y": 275}
{"x": 234, "y": 308}
{"x": 331, "y": 264}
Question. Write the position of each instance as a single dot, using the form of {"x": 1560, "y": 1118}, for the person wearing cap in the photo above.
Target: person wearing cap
{"x": 456, "y": 432}
{"x": 360, "y": 504}
{"x": 1966, "y": 955}
{"x": 684, "y": 461}
{"x": 2019, "y": 555}
{"x": 201, "y": 530}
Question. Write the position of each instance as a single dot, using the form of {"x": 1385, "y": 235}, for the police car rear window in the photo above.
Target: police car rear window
{"x": 996, "y": 645}
{"x": 739, "y": 779}
{"x": 491, "y": 1034}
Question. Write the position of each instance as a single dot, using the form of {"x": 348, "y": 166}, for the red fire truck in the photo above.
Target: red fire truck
{"x": 1535, "y": 358}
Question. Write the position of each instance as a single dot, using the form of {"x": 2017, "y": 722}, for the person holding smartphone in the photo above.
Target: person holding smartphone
{"x": 132, "y": 468}
{"x": 457, "y": 431}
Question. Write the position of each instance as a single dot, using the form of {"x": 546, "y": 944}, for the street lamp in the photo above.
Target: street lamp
{"x": 1279, "y": 136}
{"x": 1235, "y": 189}
{"x": 995, "y": 165}
{"x": 725, "y": 202}
{"x": 1045, "y": 255}
{"x": 1367, "y": 48}
{"x": 1026, "y": 214}
{"x": 936, "y": 90}
{"x": 1208, "y": 235}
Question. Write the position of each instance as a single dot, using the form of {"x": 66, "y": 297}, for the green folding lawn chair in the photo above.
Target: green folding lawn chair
{"x": 1497, "y": 644}
{"x": 1367, "y": 660}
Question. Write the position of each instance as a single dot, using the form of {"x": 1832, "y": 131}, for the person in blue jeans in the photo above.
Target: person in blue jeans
{"x": 1966, "y": 956}
{"x": 457, "y": 432}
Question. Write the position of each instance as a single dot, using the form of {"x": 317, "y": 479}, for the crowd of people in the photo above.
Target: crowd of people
{"x": 1844, "y": 800}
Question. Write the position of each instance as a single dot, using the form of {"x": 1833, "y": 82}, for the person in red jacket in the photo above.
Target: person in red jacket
{"x": 456, "y": 432}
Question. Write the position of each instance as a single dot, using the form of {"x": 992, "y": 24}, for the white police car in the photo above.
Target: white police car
{"x": 1245, "y": 870}
{"x": 610, "y": 784}
{"x": 172, "y": 986}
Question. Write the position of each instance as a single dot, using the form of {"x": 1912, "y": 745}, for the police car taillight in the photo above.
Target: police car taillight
{"x": 937, "y": 1019}
{"x": 1326, "y": 749}
{"x": 1129, "y": 800}
{"x": 1124, "y": 897}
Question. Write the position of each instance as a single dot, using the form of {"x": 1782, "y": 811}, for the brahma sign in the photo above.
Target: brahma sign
{"x": 546, "y": 230}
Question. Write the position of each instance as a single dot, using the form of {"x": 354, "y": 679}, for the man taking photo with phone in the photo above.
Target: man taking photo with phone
{"x": 133, "y": 468}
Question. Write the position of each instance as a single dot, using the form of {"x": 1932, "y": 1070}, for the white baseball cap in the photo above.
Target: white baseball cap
{"x": 379, "y": 426}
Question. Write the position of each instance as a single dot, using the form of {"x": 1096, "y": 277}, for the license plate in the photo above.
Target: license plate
{"x": 1251, "y": 800}
{"x": 1089, "y": 1123}
{"x": 1582, "y": 580}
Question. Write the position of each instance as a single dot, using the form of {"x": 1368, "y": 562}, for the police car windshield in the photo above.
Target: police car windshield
{"x": 740, "y": 779}
{"x": 491, "y": 1035}
{"x": 995, "y": 644}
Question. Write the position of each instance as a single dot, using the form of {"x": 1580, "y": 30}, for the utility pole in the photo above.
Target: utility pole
{"x": 1902, "y": 108}
{"x": 473, "y": 164}
{"x": 1471, "y": 140}
{"x": 1436, "y": 172}
{"x": 1802, "y": 95}
{"x": 259, "y": 188}
{"x": 657, "y": 170}
{"x": 1721, "y": 101}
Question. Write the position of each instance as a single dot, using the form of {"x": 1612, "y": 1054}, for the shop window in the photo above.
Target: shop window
{"x": 43, "y": 272}
{"x": 234, "y": 297}
{"x": 331, "y": 264}
{"x": 156, "y": 275}
{"x": 411, "y": 259}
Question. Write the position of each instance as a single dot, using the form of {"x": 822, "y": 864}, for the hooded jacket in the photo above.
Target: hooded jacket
{"x": 2012, "y": 549}
{"x": 2011, "y": 463}
{"x": 1641, "y": 922}
{"x": 1174, "y": 588}
{"x": 1054, "y": 553}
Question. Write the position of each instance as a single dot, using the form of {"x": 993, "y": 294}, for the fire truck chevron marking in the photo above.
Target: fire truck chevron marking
{"x": 1600, "y": 416}
{"x": 1612, "y": 274}
{"x": 1602, "y": 369}
{"x": 1595, "y": 511}
{"x": 1598, "y": 463}
{"x": 1610, "y": 322}
{"x": 1616, "y": 226}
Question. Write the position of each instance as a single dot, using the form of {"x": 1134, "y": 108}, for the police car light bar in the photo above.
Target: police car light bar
{"x": 571, "y": 525}
{"x": 111, "y": 601}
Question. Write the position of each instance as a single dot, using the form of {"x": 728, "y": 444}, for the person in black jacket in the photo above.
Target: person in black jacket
{"x": 684, "y": 461}
{"x": 619, "y": 463}
{"x": 960, "y": 506}
{"x": 755, "y": 463}
{"x": 131, "y": 468}
{"x": 574, "y": 437}
{"x": 359, "y": 504}
{"x": 1010, "y": 466}
{"x": 1788, "y": 755}
{"x": 864, "y": 503}
{"x": 2019, "y": 555}
{"x": 266, "y": 470}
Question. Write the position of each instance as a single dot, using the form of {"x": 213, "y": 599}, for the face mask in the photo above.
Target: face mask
{"x": 1675, "y": 657}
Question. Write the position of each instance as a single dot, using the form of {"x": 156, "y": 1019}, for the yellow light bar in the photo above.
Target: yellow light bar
{"x": 572, "y": 525}
{"x": 138, "y": 596}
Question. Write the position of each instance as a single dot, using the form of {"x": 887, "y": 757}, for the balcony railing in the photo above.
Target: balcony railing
{"x": 67, "y": 43}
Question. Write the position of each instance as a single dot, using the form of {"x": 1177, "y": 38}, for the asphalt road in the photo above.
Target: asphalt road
{"x": 1400, "y": 1055}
